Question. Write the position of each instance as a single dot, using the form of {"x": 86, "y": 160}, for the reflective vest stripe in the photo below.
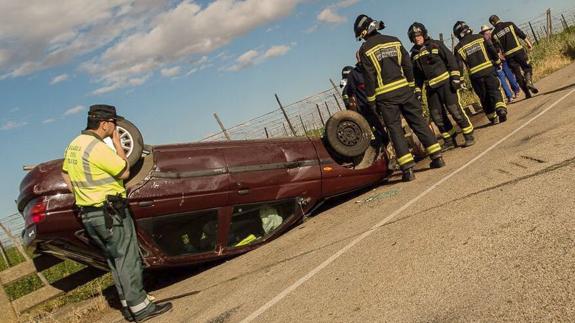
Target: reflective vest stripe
{"x": 439, "y": 78}
{"x": 480, "y": 67}
{"x": 90, "y": 181}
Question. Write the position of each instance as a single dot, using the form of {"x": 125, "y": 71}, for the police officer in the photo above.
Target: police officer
{"x": 389, "y": 87}
{"x": 95, "y": 173}
{"x": 436, "y": 72}
{"x": 481, "y": 60}
{"x": 506, "y": 36}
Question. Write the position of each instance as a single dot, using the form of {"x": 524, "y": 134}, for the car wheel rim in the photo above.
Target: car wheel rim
{"x": 349, "y": 133}
{"x": 126, "y": 140}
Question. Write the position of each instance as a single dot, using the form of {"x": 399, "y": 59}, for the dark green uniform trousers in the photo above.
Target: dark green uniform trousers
{"x": 120, "y": 246}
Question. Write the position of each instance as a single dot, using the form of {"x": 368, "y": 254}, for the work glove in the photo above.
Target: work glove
{"x": 455, "y": 83}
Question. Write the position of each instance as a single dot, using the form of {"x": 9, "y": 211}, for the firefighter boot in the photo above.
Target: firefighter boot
{"x": 502, "y": 113}
{"x": 469, "y": 140}
{"x": 436, "y": 162}
{"x": 529, "y": 81}
{"x": 408, "y": 175}
{"x": 449, "y": 143}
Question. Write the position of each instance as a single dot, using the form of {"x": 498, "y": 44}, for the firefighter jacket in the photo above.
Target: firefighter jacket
{"x": 387, "y": 67}
{"x": 478, "y": 55}
{"x": 433, "y": 64}
{"x": 355, "y": 86}
{"x": 506, "y": 36}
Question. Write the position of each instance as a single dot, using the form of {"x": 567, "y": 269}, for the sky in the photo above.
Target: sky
{"x": 168, "y": 65}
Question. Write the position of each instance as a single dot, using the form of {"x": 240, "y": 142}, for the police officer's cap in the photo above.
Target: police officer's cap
{"x": 103, "y": 112}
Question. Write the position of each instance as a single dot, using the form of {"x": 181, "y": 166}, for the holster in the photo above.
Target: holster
{"x": 115, "y": 206}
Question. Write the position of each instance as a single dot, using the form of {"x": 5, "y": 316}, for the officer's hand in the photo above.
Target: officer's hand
{"x": 455, "y": 84}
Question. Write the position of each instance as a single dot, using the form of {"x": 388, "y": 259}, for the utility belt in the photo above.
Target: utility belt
{"x": 114, "y": 206}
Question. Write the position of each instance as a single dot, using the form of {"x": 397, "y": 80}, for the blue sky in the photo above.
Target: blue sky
{"x": 168, "y": 65}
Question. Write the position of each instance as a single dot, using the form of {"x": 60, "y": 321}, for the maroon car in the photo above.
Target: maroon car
{"x": 199, "y": 202}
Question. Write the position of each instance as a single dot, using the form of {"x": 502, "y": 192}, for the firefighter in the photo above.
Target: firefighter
{"x": 481, "y": 60}
{"x": 506, "y": 36}
{"x": 436, "y": 72}
{"x": 354, "y": 91}
{"x": 95, "y": 173}
{"x": 389, "y": 86}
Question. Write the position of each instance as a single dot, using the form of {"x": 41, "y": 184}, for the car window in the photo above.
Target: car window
{"x": 252, "y": 223}
{"x": 184, "y": 233}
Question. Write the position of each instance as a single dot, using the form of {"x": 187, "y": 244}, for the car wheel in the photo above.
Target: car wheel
{"x": 131, "y": 140}
{"x": 348, "y": 133}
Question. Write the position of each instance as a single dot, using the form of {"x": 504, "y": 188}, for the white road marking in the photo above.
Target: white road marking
{"x": 343, "y": 250}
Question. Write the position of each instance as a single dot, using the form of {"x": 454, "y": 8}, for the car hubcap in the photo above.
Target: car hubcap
{"x": 126, "y": 140}
{"x": 349, "y": 133}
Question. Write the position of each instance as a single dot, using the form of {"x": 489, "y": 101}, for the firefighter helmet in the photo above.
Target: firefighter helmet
{"x": 494, "y": 20}
{"x": 364, "y": 26}
{"x": 417, "y": 29}
{"x": 345, "y": 71}
{"x": 460, "y": 29}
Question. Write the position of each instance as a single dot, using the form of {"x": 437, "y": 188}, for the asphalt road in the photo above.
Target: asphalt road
{"x": 490, "y": 237}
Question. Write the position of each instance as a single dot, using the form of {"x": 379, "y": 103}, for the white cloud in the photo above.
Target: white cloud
{"x": 49, "y": 120}
{"x": 59, "y": 78}
{"x": 125, "y": 40}
{"x": 253, "y": 57}
{"x": 74, "y": 110}
{"x": 9, "y": 125}
{"x": 276, "y": 51}
{"x": 171, "y": 72}
{"x": 330, "y": 14}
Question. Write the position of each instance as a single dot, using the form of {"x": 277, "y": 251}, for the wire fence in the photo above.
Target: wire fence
{"x": 301, "y": 118}
{"x": 14, "y": 224}
{"x": 548, "y": 23}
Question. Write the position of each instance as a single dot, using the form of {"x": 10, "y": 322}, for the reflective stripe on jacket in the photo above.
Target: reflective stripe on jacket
{"x": 433, "y": 64}
{"x": 506, "y": 36}
{"x": 478, "y": 55}
{"x": 92, "y": 167}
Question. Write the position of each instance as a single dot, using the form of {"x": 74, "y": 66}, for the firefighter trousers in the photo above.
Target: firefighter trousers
{"x": 441, "y": 100}
{"x": 489, "y": 91}
{"x": 375, "y": 122}
{"x": 517, "y": 62}
{"x": 391, "y": 109}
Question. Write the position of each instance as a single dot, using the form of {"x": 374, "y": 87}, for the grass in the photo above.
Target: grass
{"x": 92, "y": 290}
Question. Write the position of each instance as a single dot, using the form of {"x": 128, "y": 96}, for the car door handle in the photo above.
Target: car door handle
{"x": 146, "y": 203}
{"x": 243, "y": 192}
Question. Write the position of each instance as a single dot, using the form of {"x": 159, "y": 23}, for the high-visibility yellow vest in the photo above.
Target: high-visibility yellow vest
{"x": 92, "y": 167}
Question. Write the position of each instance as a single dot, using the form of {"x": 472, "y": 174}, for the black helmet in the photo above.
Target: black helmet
{"x": 417, "y": 29}
{"x": 364, "y": 26}
{"x": 493, "y": 20}
{"x": 345, "y": 71}
{"x": 460, "y": 29}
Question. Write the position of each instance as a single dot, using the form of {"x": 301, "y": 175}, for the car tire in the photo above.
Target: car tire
{"x": 132, "y": 141}
{"x": 348, "y": 133}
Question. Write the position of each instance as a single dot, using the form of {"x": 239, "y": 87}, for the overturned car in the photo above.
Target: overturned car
{"x": 198, "y": 202}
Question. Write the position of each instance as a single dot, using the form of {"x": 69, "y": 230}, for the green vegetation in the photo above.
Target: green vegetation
{"x": 553, "y": 54}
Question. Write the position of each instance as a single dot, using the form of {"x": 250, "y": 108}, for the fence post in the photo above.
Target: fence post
{"x": 327, "y": 107}
{"x": 452, "y": 43}
{"x": 336, "y": 90}
{"x": 8, "y": 264}
{"x": 320, "y": 116}
{"x": 267, "y": 134}
{"x": 549, "y": 23}
{"x": 565, "y": 25}
{"x": 441, "y": 38}
{"x": 533, "y": 32}
{"x": 285, "y": 129}
{"x": 303, "y": 126}
{"x": 285, "y": 115}
{"x": 337, "y": 101}
{"x": 222, "y": 126}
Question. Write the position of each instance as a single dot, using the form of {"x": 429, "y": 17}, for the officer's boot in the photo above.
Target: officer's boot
{"x": 408, "y": 175}
{"x": 436, "y": 161}
{"x": 449, "y": 143}
{"x": 469, "y": 139}
{"x": 127, "y": 314}
{"x": 529, "y": 81}
{"x": 502, "y": 113}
